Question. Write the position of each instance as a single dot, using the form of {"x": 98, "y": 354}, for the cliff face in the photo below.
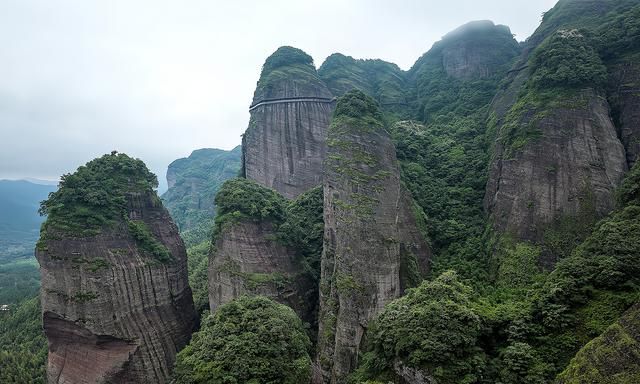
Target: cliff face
{"x": 285, "y": 144}
{"x": 194, "y": 181}
{"x": 116, "y": 304}
{"x": 257, "y": 247}
{"x": 572, "y": 162}
{"x": 365, "y": 226}
{"x": 467, "y": 58}
{"x": 625, "y": 101}
{"x": 564, "y": 138}
{"x": 247, "y": 260}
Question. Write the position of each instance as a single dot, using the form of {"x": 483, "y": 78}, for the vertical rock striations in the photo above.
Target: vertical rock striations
{"x": 285, "y": 144}
{"x": 116, "y": 304}
{"x": 366, "y": 222}
{"x": 557, "y": 152}
{"x": 253, "y": 251}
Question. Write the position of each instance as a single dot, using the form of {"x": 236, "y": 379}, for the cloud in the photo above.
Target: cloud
{"x": 158, "y": 79}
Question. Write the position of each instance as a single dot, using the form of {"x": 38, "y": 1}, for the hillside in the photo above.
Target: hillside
{"x": 473, "y": 220}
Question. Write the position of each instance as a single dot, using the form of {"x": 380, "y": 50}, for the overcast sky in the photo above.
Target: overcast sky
{"x": 157, "y": 79}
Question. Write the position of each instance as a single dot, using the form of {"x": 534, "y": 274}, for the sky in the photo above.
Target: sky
{"x": 158, "y": 79}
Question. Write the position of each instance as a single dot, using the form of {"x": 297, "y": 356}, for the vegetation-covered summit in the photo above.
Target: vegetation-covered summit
{"x": 95, "y": 195}
{"x": 289, "y": 72}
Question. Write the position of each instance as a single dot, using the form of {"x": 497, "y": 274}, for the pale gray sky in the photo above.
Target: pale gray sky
{"x": 157, "y": 79}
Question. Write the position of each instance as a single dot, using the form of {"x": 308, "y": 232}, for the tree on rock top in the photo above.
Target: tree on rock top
{"x": 249, "y": 340}
{"x": 95, "y": 195}
{"x": 284, "y": 56}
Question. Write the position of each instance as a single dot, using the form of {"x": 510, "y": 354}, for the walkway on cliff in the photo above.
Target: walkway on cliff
{"x": 292, "y": 100}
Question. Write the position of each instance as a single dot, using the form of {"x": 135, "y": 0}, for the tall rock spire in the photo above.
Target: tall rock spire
{"x": 116, "y": 303}
{"x": 367, "y": 216}
{"x": 284, "y": 146}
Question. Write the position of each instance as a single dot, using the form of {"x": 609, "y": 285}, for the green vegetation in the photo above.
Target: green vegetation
{"x": 298, "y": 224}
{"x": 243, "y": 199}
{"x": 303, "y": 230}
{"x": 285, "y": 56}
{"x": 357, "y": 111}
{"x": 23, "y": 347}
{"x": 383, "y": 81}
{"x": 19, "y": 280}
{"x": 611, "y": 358}
{"x": 519, "y": 324}
{"x": 95, "y": 196}
{"x": 197, "y": 179}
{"x": 198, "y": 262}
{"x": 249, "y": 340}
{"x": 147, "y": 241}
{"x": 284, "y": 65}
{"x": 554, "y": 62}
{"x": 433, "y": 327}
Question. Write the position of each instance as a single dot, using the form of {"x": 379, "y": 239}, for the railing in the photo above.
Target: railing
{"x": 292, "y": 100}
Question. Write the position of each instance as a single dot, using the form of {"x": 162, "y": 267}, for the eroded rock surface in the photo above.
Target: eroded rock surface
{"x": 366, "y": 224}
{"x": 248, "y": 260}
{"x": 574, "y": 162}
{"x": 285, "y": 144}
{"x": 112, "y": 310}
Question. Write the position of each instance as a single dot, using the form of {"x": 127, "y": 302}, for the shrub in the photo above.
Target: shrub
{"x": 249, "y": 340}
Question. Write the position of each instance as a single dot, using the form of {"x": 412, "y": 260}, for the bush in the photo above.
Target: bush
{"x": 433, "y": 328}
{"x": 567, "y": 59}
{"x": 249, "y": 340}
{"x": 95, "y": 195}
{"x": 284, "y": 56}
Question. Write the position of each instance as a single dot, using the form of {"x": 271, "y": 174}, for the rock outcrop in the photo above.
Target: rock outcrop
{"x": 366, "y": 223}
{"x": 250, "y": 255}
{"x": 285, "y": 144}
{"x": 194, "y": 181}
{"x": 572, "y": 162}
{"x": 557, "y": 152}
{"x": 116, "y": 303}
{"x": 462, "y": 53}
{"x": 248, "y": 260}
{"x": 613, "y": 357}
{"x": 625, "y": 98}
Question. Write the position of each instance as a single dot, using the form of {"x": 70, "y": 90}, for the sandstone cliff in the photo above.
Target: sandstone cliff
{"x": 366, "y": 223}
{"x": 116, "y": 304}
{"x": 285, "y": 143}
{"x": 561, "y": 146}
{"x": 256, "y": 250}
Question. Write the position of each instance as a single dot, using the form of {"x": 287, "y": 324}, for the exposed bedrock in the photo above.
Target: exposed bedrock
{"x": 285, "y": 144}
{"x": 114, "y": 311}
{"x": 248, "y": 260}
{"x": 367, "y": 260}
{"x": 574, "y": 162}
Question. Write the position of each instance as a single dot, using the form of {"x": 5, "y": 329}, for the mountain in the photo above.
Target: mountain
{"x": 474, "y": 219}
{"x": 19, "y": 218}
{"x": 284, "y": 145}
{"x": 193, "y": 183}
{"x": 116, "y": 304}
{"x": 368, "y": 259}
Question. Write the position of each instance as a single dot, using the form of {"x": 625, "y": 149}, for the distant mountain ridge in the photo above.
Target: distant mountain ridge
{"x": 19, "y": 218}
